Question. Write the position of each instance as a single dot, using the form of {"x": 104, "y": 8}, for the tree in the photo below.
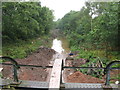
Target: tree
{"x": 100, "y": 31}
{"x": 25, "y": 20}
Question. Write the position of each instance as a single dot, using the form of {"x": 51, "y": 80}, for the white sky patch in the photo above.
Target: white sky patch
{"x": 61, "y": 7}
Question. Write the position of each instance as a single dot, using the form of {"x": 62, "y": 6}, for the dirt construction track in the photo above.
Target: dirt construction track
{"x": 43, "y": 57}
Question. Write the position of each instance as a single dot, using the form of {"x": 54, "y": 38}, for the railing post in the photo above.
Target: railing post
{"x": 61, "y": 77}
{"x": 15, "y": 67}
{"x": 15, "y": 74}
{"x": 107, "y": 77}
{"x": 107, "y": 69}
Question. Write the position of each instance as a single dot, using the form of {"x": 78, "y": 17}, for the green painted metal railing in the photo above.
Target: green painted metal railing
{"x": 16, "y": 66}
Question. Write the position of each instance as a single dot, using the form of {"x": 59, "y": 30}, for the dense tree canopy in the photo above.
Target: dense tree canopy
{"x": 94, "y": 26}
{"x": 25, "y": 20}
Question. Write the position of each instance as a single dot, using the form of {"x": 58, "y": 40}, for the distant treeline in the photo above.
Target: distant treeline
{"x": 96, "y": 25}
{"x": 25, "y": 20}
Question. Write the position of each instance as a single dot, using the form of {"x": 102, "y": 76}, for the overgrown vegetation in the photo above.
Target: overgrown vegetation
{"x": 94, "y": 31}
{"x": 93, "y": 28}
{"x": 24, "y": 48}
{"x": 25, "y": 27}
{"x": 23, "y": 21}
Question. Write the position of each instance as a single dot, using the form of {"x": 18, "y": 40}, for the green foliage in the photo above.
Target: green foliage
{"x": 116, "y": 65}
{"x": 93, "y": 33}
{"x": 99, "y": 32}
{"x": 24, "y": 48}
{"x": 22, "y": 23}
{"x": 95, "y": 57}
{"x": 25, "y": 20}
{"x": 116, "y": 77}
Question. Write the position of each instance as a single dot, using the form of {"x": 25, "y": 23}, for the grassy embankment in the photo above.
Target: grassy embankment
{"x": 23, "y": 48}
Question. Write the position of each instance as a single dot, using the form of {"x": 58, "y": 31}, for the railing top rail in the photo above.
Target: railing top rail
{"x": 24, "y": 65}
{"x": 11, "y": 60}
{"x": 17, "y": 66}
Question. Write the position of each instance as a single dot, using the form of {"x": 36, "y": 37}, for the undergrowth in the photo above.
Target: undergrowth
{"x": 23, "y": 48}
{"x": 94, "y": 56}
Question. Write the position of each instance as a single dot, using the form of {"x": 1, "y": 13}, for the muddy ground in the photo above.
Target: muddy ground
{"x": 42, "y": 57}
{"x": 74, "y": 76}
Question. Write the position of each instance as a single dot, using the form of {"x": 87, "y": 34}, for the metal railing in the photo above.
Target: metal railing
{"x": 106, "y": 69}
{"x": 16, "y": 66}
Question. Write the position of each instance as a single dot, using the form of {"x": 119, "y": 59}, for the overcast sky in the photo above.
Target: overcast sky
{"x": 61, "y": 7}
